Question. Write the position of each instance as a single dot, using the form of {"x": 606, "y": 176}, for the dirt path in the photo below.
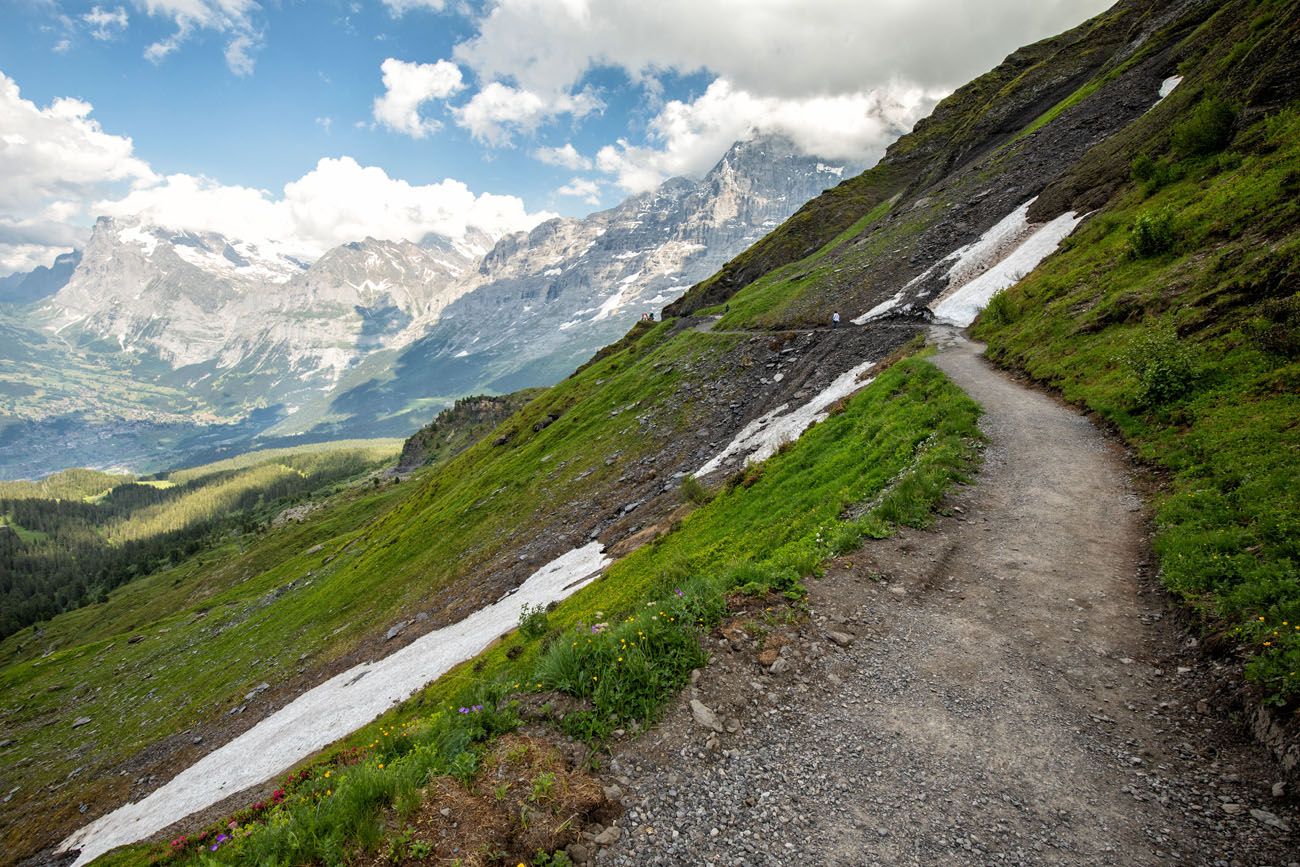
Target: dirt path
{"x": 1012, "y": 695}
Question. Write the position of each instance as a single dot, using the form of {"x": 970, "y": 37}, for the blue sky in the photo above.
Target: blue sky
{"x": 396, "y": 117}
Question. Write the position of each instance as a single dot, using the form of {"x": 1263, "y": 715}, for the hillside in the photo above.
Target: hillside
{"x": 68, "y": 540}
{"x": 1140, "y": 169}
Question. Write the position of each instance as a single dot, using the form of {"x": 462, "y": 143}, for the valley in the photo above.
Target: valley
{"x": 841, "y": 589}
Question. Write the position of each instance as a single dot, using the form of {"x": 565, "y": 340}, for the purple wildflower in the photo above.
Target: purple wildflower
{"x": 464, "y": 710}
{"x": 680, "y": 594}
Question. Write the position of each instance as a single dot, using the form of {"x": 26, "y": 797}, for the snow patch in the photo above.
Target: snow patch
{"x": 880, "y": 309}
{"x": 326, "y": 713}
{"x": 1167, "y": 86}
{"x": 615, "y": 301}
{"x": 963, "y": 305}
{"x": 135, "y": 235}
{"x": 760, "y": 439}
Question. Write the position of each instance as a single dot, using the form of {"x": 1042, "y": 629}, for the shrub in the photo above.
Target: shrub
{"x": 1162, "y": 366}
{"x": 629, "y": 670}
{"x": 533, "y": 621}
{"x": 1152, "y": 234}
{"x": 1207, "y": 129}
{"x": 1000, "y": 310}
{"x": 695, "y": 492}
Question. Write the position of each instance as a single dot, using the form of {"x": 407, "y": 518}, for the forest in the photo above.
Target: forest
{"x": 70, "y": 539}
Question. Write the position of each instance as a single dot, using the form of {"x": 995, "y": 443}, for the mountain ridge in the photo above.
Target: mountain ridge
{"x": 374, "y": 335}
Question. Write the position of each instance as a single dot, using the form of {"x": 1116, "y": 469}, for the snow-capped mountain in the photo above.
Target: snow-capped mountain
{"x": 192, "y": 299}
{"x": 375, "y": 334}
{"x": 545, "y": 300}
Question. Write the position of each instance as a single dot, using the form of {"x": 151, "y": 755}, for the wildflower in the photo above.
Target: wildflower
{"x": 327, "y": 775}
{"x": 680, "y": 594}
{"x": 381, "y": 766}
{"x": 477, "y": 707}
{"x": 464, "y": 710}
{"x": 329, "y": 792}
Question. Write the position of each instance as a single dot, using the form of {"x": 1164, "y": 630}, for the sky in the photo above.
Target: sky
{"x": 301, "y": 124}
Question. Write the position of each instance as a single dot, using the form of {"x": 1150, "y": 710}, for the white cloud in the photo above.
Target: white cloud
{"x": 687, "y": 138}
{"x": 232, "y": 17}
{"x": 52, "y": 161}
{"x": 407, "y": 86}
{"x": 566, "y": 157}
{"x": 59, "y": 169}
{"x": 325, "y": 123}
{"x": 105, "y": 24}
{"x": 840, "y": 78}
{"x": 498, "y": 110}
{"x": 398, "y": 8}
{"x": 582, "y": 188}
{"x": 770, "y": 47}
{"x": 337, "y": 201}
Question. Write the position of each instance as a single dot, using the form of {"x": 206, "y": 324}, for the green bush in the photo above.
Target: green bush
{"x": 533, "y": 621}
{"x": 695, "y": 492}
{"x": 1162, "y": 367}
{"x": 1207, "y": 129}
{"x": 628, "y": 671}
{"x": 1152, "y": 234}
{"x": 1000, "y": 310}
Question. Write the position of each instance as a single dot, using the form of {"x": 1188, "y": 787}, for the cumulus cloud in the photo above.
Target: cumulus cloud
{"x": 686, "y": 138}
{"x": 498, "y": 110}
{"x": 398, "y": 8}
{"x": 793, "y": 48}
{"x": 842, "y": 79}
{"x": 566, "y": 157}
{"x": 337, "y": 201}
{"x": 582, "y": 188}
{"x": 52, "y": 161}
{"x": 59, "y": 169}
{"x": 231, "y": 17}
{"x": 407, "y": 86}
{"x": 105, "y": 24}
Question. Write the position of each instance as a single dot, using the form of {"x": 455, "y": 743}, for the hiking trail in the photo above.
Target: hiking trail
{"x": 1012, "y": 692}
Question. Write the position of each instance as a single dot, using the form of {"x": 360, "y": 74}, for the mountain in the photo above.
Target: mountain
{"x": 1122, "y": 200}
{"x": 30, "y": 286}
{"x": 544, "y": 301}
{"x": 375, "y": 335}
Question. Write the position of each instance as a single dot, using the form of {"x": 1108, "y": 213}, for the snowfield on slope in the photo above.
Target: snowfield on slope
{"x": 760, "y": 439}
{"x": 997, "y": 261}
{"x": 336, "y": 708}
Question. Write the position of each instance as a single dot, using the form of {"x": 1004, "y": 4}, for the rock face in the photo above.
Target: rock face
{"x": 202, "y": 302}
{"x": 545, "y": 300}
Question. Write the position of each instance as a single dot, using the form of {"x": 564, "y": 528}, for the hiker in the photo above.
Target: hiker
{"x": 835, "y": 319}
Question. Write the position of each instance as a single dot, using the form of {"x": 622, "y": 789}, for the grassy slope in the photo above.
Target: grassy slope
{"x": 896, "y": 445}
{"x": 976, "y": 118}
{"x": 1216, "y": 317}
{"x": 219, "y": 626}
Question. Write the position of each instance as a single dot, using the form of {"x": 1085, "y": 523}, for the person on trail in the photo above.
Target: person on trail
{"x": 835, "y": 319}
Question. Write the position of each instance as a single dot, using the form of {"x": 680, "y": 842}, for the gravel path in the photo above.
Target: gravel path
{"x": 1003, "y": 688}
